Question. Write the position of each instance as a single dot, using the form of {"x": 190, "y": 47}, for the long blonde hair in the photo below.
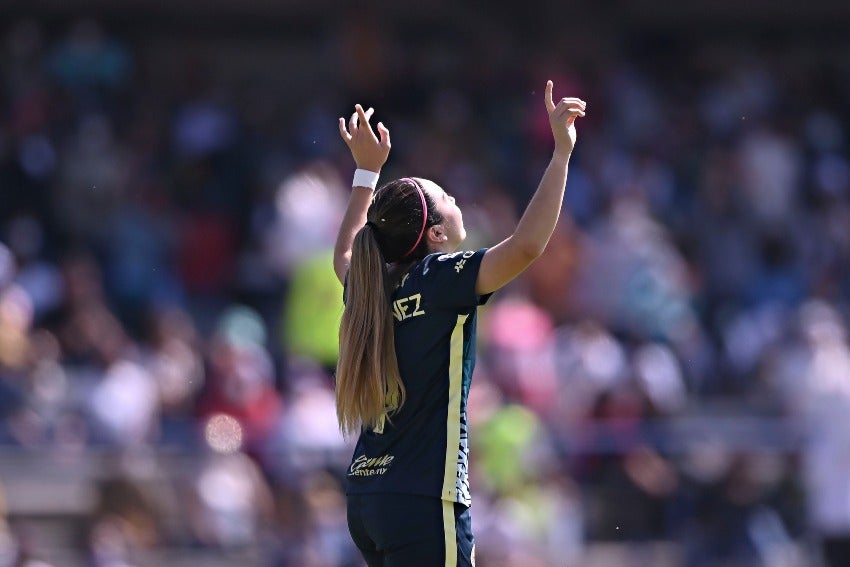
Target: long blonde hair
{"x": 369, "y": 386}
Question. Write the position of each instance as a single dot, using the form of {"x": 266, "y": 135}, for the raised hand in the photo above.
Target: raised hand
{"x": 368, "y": 151}
{"x": 562, "y": 118}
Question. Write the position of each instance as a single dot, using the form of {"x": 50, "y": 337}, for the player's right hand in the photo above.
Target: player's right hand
{"x": 562, "y": 118}
{"x": 368, "y": 151}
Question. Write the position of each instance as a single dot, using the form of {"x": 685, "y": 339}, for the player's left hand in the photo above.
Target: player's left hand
{"x": 368, "y": 151}
{"x": 562, "y": 117}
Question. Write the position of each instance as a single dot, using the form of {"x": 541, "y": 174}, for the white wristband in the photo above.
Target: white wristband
{"x": 365, "y": 178}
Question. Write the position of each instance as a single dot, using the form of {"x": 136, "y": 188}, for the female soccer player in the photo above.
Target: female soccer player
{"x": 407, "y": 343}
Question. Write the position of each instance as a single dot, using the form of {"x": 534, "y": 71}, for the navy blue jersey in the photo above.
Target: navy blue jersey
{"x": 423, "y": 447}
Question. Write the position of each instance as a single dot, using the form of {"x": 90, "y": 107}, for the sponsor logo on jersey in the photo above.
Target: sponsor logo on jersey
{"x": 459, "y": 265}
{"x": 364, "y": 466}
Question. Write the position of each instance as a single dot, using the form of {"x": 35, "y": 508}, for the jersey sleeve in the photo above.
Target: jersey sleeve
{"x": 451, "y": 279}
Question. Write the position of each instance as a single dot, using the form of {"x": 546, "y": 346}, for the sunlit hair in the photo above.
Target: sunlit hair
{"x": 368, "y": 383}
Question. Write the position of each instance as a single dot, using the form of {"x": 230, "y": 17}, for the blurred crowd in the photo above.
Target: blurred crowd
{"x": 675, "y": 368}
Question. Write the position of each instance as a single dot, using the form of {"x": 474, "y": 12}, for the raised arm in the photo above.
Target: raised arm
{"x": 512, "y": 256}
{"x": 369, "y": 153}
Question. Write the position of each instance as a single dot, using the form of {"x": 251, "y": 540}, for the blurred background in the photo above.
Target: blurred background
{"x": 668, "y": 386}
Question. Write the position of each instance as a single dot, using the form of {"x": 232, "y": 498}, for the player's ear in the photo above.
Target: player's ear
{"x": 437, "y": 234}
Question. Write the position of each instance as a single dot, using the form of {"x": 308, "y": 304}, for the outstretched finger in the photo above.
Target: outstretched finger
{"x": 352, "y": 123}
{"x": 346, "y": 137}
{"x": 364, "y": 120}
{"x": 369, "y": 113}
{"x": 385, "y": 135}
{"x": 547, "y": 97}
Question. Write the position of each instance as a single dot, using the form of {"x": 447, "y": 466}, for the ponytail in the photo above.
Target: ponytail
{"x": 368, "y": 382}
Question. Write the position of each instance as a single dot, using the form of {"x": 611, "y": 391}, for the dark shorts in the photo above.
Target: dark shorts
{"x": 406, "y": 530}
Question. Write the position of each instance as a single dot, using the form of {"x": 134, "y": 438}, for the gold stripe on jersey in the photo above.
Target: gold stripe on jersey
{"x": 450, "y": 533}
{"x": 453, "y": 417}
